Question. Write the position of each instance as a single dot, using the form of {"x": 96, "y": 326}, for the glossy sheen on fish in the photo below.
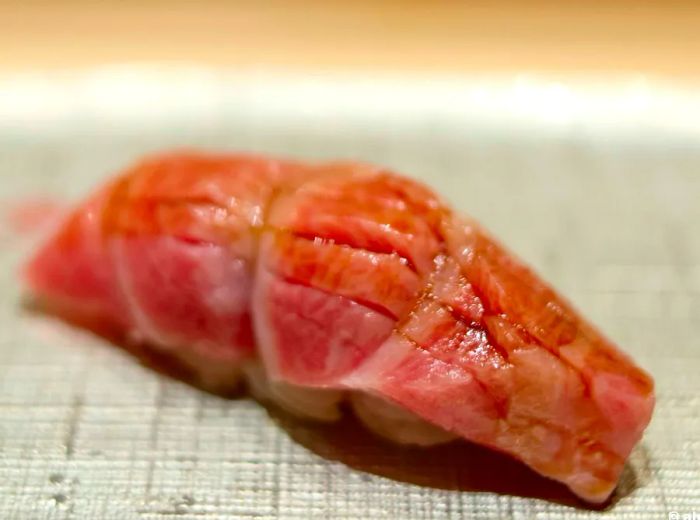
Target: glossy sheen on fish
{"x": 347, "y": 280}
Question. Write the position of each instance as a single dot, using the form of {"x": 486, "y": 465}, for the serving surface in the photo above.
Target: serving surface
{"x": 611, "y": 220}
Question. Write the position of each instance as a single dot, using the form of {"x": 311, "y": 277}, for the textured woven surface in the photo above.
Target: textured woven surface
{"x": 607, "y": 209}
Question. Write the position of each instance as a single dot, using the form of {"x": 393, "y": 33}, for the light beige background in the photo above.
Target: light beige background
{"x": 618, "y": 36}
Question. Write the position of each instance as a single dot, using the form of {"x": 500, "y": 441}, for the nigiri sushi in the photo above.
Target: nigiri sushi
{"x": 322, "y": 284}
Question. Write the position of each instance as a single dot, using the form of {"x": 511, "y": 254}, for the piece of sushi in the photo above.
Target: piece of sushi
{"x": 337, "y": 282}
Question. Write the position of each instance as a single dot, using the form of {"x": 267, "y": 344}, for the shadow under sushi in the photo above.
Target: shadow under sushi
{"x": 458, "y": 465}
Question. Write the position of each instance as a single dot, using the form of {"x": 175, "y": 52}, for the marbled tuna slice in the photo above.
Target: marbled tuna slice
{"x": 165, "y": 253}
{"x": 349, "y": 282}
{"x": 480, "y": 347}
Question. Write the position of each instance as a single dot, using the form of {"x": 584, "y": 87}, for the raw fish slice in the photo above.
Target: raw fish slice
{"x": 341, "y": 281}
{"x": 164, "y": 253}
{"x": 73, "y": 272}
{"x": 481, "y": 347}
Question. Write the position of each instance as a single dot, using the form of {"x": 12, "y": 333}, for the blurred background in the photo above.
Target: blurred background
{"x": 617, "y": 36}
